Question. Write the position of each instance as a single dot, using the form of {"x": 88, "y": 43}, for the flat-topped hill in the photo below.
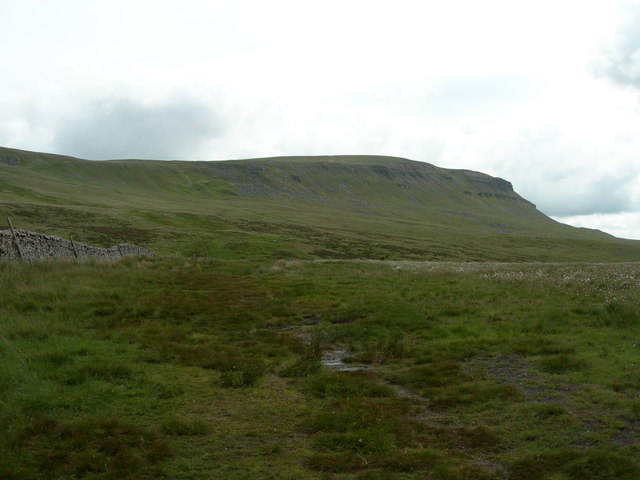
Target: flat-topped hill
{"x": 351, "y": 206}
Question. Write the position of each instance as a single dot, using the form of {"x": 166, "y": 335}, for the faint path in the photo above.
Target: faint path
{"x": 335, "y": 358}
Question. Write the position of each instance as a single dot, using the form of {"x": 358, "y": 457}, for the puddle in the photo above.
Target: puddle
{"x": 334, "y": 359}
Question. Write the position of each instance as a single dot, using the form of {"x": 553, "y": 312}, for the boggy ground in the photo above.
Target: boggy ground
{"x": 167, "y": 368}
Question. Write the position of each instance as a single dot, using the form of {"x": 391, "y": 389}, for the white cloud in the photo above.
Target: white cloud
{"x": 621, "y": 225}
{"x": 621, "y": 61}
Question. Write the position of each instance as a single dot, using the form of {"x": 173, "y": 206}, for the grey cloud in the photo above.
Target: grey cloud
{"x": 565, "y": 179}
{"x": 599, "y": 195}
{"x": 577, "y": 194}
{"x": 121, "y": 127}
{"x": 621, "y": 63}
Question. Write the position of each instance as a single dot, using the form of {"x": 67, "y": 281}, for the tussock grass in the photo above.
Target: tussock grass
{"x": 621, "y": 314}
{"x": 159, "y": 368}
{"x": 86, "y": 447}
{"x": 309, "y": 360}
{"x": 246, "y": 374}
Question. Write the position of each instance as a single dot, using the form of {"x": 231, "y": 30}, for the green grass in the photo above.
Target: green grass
{"x": 211, "y": 366}
{"x": 187, "y": 369}
{"x": 344, "y": 207}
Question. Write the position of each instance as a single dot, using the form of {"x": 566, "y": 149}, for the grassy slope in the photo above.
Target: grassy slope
{"x": 172, "y": 368}
{"x": 305, "y": 207}
{"x": 189, "y": 369}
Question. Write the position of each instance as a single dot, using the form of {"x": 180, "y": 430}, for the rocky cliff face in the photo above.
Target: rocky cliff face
{"x": 35, "y": 246}
{"x": 7, "y": 158}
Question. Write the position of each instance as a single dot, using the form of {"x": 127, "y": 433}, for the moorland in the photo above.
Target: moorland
{"x": 371, "y": 318}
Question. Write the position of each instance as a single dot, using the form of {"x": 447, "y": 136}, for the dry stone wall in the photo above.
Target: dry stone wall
{"x": 35, "y": 246}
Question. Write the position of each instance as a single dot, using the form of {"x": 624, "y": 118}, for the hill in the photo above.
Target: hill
{"x": 301, "y": 207}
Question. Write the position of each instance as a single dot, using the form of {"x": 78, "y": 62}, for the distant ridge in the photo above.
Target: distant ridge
{"x": 339, "y": 206}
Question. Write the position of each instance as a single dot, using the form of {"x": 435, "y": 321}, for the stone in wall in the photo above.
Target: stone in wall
{"x": 35, "y": 246}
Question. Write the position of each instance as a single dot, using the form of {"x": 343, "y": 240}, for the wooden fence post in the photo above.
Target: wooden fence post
{"x": 15, "y": 239}
{"x": 73, "y": 245}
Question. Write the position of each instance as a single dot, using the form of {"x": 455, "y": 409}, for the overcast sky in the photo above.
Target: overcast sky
{"x": 545, "y": 94}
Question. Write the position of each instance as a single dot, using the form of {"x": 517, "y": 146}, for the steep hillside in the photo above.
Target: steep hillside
{"x": 305, "y": 207}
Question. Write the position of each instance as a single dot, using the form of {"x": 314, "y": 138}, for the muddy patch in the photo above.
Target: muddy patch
{"x": 516, "y": 371}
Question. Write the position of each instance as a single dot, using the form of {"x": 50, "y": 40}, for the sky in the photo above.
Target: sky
{"x": 545, "y": 94}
